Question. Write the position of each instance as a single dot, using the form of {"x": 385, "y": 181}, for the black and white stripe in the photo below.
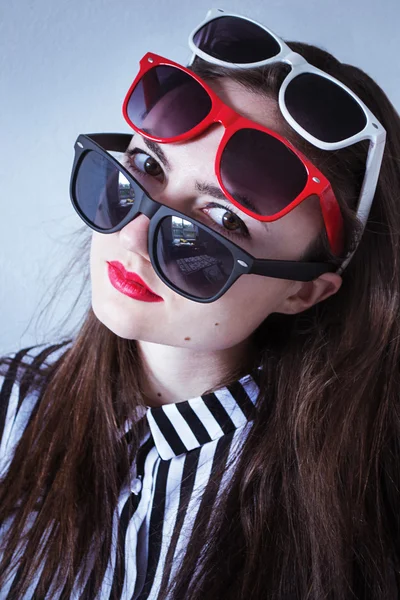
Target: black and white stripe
{"x": 184, "y": 461}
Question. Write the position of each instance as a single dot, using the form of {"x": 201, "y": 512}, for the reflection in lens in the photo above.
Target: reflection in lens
{"x": 262, "y": 169}
{"x": 323, "y": 108}
{"x": 236, "y": 40}
{"x": 103, "y": 193}
{"x": 168, "y": 102}
{"x": 191, "y": 258}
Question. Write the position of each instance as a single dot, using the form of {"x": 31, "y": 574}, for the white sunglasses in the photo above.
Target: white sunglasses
{"x": 339, "y": 117}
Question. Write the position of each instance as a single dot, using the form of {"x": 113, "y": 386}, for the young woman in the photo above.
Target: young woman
{"x": 225, "y": 424}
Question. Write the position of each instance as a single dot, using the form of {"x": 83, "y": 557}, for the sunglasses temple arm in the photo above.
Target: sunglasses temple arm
{"x": 368, "y": 188}
{"x": 289, "y": 269}
{"x": 191, "y": 60}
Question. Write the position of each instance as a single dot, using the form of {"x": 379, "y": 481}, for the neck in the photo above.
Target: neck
{"x": 174, "y": 374}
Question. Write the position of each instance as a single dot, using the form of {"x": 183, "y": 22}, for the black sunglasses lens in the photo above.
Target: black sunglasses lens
{"x": 167, "y": 102}
{"x": 236, "y": 40}
{"x": 191, "y": 258}
{"x": 102, "y": 193}
{"x": 261, "y": 172}
{"x": 323, "y": 108}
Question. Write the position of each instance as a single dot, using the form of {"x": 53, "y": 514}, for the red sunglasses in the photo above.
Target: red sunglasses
{"x": 258, "y": 170}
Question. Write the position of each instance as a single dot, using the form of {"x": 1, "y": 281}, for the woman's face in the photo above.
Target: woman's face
{"x": 182, "y": 176}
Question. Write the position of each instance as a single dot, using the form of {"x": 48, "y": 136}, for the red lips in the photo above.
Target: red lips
{"x": 130, "y": 284}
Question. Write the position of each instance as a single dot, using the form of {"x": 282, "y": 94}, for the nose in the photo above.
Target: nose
{"x": 134, "y": 236}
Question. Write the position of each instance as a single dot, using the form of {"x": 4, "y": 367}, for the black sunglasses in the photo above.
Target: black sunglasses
{"x": 190, "y": 258}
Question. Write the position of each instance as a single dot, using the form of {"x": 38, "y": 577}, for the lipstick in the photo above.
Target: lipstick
{"x": 130, "y": 284}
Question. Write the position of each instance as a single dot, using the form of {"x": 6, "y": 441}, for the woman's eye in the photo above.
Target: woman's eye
{"x": 226, "y": 220}
{"x": 144, "y": 163}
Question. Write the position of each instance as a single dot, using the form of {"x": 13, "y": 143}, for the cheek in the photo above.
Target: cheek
{"x": 96, "y": 245}
{"x": 234, "y": 317}
{"x": 296, "y": 230}
{"x": 102, "y": 248}
{"x": 95, "y": 253}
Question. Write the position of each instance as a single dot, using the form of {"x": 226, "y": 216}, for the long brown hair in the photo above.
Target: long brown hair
{"x": 312, "y": 508}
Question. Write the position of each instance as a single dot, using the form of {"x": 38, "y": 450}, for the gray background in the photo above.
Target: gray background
{"x": 65, "y": 66}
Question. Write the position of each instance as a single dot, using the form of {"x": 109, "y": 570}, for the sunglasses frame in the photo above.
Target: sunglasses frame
{"x": 244, "y": 263}
{"x": 373, "y": 130}
{"x": 317, "y": 184}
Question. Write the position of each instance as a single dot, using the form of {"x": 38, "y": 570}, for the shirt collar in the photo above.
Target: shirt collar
{"x": 183, "y": 426}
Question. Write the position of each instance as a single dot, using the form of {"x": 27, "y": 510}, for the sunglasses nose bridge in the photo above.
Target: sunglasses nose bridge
{"x": 147, "y": 206}
{"x": 226, "y": 116}
{"x": 294, "y": 59}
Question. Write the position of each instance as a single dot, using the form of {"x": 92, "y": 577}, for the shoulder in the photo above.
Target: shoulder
{"x": 20, "y": 386}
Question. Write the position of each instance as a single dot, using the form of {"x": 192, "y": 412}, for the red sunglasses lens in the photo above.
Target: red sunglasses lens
{"x": 260, "y": 172}
{"x": 256, "y": 169}
{"x": 167, "y": 102}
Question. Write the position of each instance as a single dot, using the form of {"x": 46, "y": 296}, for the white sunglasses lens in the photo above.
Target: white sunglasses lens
{"x": 236, "y": 40}
{"x": 323, "y": 108}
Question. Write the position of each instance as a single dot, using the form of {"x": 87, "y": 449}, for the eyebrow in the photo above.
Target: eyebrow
{"x": 216, "y": 192}
{"x": 204, "y": 188}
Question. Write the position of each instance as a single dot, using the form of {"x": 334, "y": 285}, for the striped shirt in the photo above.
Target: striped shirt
{"x": 173, "y": 479}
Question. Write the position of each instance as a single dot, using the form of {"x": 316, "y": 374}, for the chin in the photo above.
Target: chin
{"x": 111, "y": 317}
{"x": 128, "y": 326}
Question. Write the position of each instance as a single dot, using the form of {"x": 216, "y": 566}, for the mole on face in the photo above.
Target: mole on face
{"x": 159, "y": 395}
{"x": 187, "y": 338}
{"x": 216, "y": 323}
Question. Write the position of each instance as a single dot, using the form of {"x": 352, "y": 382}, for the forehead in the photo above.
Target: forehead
{"x": 256, "y": 106}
